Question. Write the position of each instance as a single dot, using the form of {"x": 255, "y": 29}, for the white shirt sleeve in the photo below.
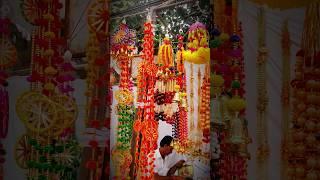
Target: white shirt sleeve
{"x": 162, "y": 171}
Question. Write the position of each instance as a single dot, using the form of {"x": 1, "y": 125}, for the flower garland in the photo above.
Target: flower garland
{"x": 198, "y": 56}
{"x": 198, "y": 51}
{"x": 179, "y": 54}
{"x": 228, "y": 90}
{"x": 165, "y": 54}
{"x": 165, "y": 94}
{"x": 98, "y": 90}
{"x": 7, "y": 59}
{"x": 145, "y": 122}
{"x": 51, "y": 92}
{"x": 125, "y": 107}
{"x": 303, "y": 144}
{"x": 205, "y": 107}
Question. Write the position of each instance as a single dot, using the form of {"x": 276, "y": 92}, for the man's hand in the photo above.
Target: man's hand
{"x": 173, "y": 169}
{"x": 179, "y": 164}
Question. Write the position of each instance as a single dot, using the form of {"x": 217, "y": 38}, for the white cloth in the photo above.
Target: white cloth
{"x": 162, "y": 166}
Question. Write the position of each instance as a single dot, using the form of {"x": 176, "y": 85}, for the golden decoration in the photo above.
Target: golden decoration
{"x": 36, "y": 111}
{"x": 22, "y": 151}
{"x": 124, "y": 96}
{"x": 8, "y": 53}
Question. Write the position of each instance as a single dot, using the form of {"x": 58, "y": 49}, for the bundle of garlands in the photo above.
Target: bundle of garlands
{"x": 196, "y": 65}
{"x": 228, "y": 102}
{"x": 169, "y": 97}
{"x": 48, "y": 111}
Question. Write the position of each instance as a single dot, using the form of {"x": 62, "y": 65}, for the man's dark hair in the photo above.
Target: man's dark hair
{"x": 166, "y": 141}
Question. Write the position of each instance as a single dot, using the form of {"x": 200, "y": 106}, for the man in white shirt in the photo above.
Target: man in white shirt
{"x": 167, "y": 161}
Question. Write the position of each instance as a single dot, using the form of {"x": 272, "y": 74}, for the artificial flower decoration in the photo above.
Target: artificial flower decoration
{"x": 165, "y": 53}
{"x": 50, "y": 131}
{"x": 198, "y": 50}
{"x": 146, "y": 123}
{"x": 179, "y": 54}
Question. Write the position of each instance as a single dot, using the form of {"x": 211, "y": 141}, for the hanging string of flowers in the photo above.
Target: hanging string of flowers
{"x": 97, "y": 80}
{"x": 121, "y": 50}
{"x": 52, "y": 126}
{"x": 145, "y": 122}
{"x": 7, "y": 59}
{"x": 302, "y": 146}
{"x": 228, "y": 102}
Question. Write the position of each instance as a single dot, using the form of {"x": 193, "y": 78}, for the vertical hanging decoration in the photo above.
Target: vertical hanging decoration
{"x": 179, "y": 57}
{"x": 97, "y": 110}
{"x": 285, "y": 96}
{"x": 165, "y": 54}
{"x": 198, "y": 51}
{"x": 145, "y": 124}
{"x": 48, "y": 110}
{"x": 303, "y": 139}
{"x": 197, "y": 58}
{"x": 229, "y": 121}
{"x": 122, "y": 50}
{"x": 8, "y": 58}
{"x": 204, "y": 112}
{"x": 262, "y": 101}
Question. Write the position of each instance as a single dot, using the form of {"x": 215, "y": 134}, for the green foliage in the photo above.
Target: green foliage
{"x": 172, "y": 21}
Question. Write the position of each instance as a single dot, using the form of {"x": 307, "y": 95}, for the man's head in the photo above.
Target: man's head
{"x": 166, "y": 145}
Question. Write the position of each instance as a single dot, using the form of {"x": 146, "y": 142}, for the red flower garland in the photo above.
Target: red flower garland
{"x": 146, "y": 124}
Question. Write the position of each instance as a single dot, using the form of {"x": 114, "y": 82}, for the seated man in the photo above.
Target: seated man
{"x": 166, "y": 160}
